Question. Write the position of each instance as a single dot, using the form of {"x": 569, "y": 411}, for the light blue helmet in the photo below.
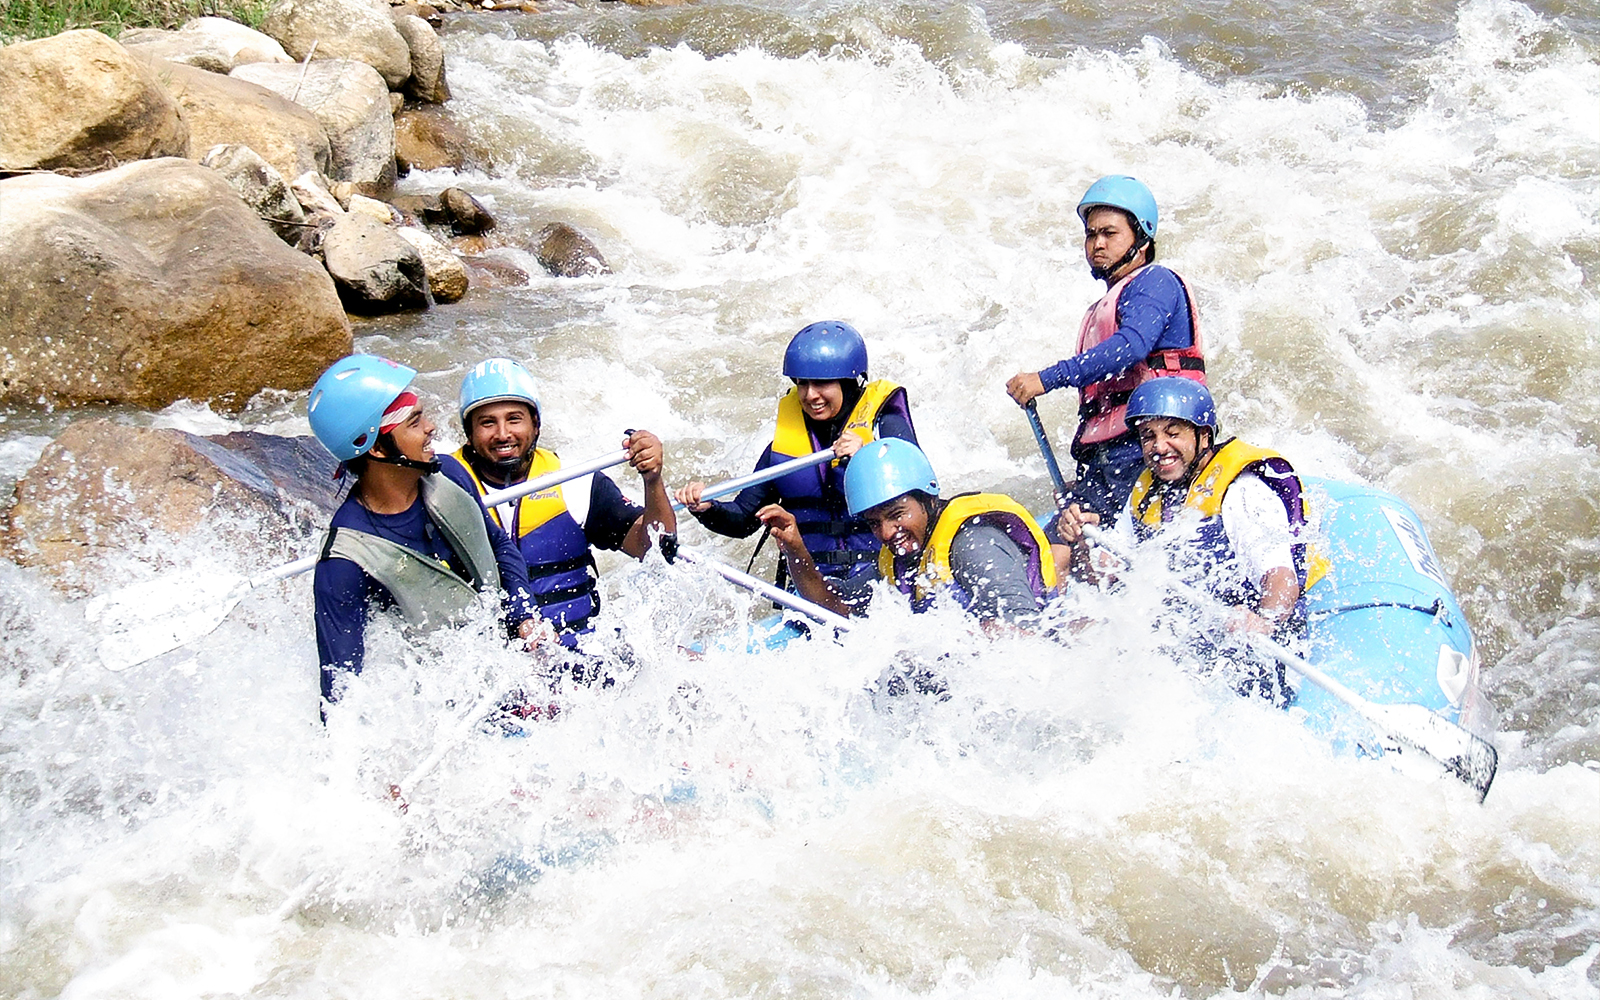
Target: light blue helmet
{"x": 1126, "y": 193}
{"x": 1170, "y": 396}
{"x": 348, "y": 401}
{"x": 884, "y": 470}
{"x": 497, "y": 380}
{"x": 827, "y": 350}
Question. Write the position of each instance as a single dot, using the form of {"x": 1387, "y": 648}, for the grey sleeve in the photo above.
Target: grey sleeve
{"x": 857, "y": 590}
{"x": 993, "y": 570}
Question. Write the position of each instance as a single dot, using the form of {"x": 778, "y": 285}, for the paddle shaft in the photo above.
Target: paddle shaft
{"x": 400, "y": 790}
{"x": 494, "y": 498}
{"x": 1048, "y": 452}
{"x": 730, "y": 486}
{"x": 490, "y": 499}
{"x": 778, "y": 596}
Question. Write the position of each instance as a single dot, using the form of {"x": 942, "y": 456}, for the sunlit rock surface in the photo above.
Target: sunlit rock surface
{"x": 79, "y": 100}
{"x": 152, "y": 283}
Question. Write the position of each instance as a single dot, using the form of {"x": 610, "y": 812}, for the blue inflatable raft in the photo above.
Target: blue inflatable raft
{"x": 1398, "y": 667}
{"x": 1384, "y": 621}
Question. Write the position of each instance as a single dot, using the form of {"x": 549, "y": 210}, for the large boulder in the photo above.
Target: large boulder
{"x": 351, "y": 102}
{"x": 223, "y": 110}
{"x": 375, "y": 269}
{"x": 425, "y": 139}
{"x": 427, "y": 83}
{"x": 152, "y": 283}
{"x": 260, "y": 187}
{"x": 104, "y": 492}
{"x": 341, "y": 29}
{"x": 209, "y": 43}
{"x": 78, "y": 100}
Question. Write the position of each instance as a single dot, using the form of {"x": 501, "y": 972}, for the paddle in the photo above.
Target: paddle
{"x": 1466, "y": 756}
{"x": 463, "y": 725}
{"x": 1049, "y": 453}
{"x": 728, "y": 486}
{"x": 142, "y": 621}
{"x": 778, "y": 596}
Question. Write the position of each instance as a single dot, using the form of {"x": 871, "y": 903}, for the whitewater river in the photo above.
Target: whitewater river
{"x": 1390, "y": 216}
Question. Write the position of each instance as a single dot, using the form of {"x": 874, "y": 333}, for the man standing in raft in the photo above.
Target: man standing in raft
{"x": 983, "y": 550}
{"x": 553, "y": 529}
{"x": 832, "y": 405}
{"x": 1230, "y": 513}
{"x": 405, "y": 537}
{"x": 1146, "y": 325}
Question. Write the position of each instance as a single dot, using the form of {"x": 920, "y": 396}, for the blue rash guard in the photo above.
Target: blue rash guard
{"x": 1152, "y": 315}
{"x": 345, "y": 595}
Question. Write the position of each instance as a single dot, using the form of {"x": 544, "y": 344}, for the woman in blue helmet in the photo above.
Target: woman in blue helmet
{"x": 554, "y": 529}
{"x": 832, "y": 405}
{"x": 982, "y": 550}
{"x": 406, "y": 537}
{"x": 1231, "y": 515}
{"x": 1145, "y": 326}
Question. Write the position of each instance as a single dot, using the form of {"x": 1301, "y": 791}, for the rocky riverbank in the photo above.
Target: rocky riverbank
{"x": 191, "y": 214}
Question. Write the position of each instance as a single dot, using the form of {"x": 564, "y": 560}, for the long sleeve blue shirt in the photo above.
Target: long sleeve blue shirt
{"x": 1152, "y": 315}
{"x": 345, "y": 595}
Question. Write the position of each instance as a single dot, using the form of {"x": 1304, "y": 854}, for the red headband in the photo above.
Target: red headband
{"x": 403, "y": 406}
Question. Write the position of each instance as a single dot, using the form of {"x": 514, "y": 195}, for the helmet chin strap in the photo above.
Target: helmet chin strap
{"x": 431, "y": 465}
{"x": 1104, "y": 273}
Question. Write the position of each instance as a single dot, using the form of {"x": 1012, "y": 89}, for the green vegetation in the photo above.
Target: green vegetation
{"x": 21, "y": 19}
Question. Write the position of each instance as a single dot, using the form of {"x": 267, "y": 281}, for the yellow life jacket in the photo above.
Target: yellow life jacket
{"x": 791, "y": 437}
{"x": 1210, "y": 485}
{"x": 532, "y": 510}
{"x": 933, "y": 570}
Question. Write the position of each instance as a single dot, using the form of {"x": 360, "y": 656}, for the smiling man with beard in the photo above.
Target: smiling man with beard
{"x": 555, "y": 528}
{"x": 1231, "y": 516}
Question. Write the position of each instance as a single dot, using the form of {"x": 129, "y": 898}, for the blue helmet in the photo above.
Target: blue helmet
{"x": 1126, "y": 193}
{"x": 497, "y": 380}
{"x": 826, "y": 350}
{"x": 884, "y": 470}
{"x": 348, "y": 401}
{"x": 1170, "y": 396}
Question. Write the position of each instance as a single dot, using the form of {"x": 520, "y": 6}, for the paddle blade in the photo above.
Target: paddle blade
{"x": 174, "y": 594}
{"x": 140, "y": 622}
{"x": 1469, "y": 757}
{"x": 133, "y": 646}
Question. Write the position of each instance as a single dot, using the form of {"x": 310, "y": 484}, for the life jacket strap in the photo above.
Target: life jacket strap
{"x": 843, "y": 557}
{"x": 561, "y": 565}
{"x": 1172, "y": 361}
{"x": 564, "y": 594}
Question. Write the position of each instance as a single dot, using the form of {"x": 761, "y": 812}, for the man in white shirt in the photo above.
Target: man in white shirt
{"x": 1230, "y": 514}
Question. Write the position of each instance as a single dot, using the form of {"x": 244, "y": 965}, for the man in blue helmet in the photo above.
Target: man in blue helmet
{"x": 556, "y": 528}
{"x": 1230, "y": 514}
{"x": 832, "y": 405}
{"x": 983, "y": 550}
{"x": 405, "y": 537}
{"x": 1146, "y": 325}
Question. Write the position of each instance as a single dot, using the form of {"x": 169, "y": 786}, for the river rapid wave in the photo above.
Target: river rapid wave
{"x": 1390, "y": 217}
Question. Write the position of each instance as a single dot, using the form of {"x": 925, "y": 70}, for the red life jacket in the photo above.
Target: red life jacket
{"x": 1102, "y": 405}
